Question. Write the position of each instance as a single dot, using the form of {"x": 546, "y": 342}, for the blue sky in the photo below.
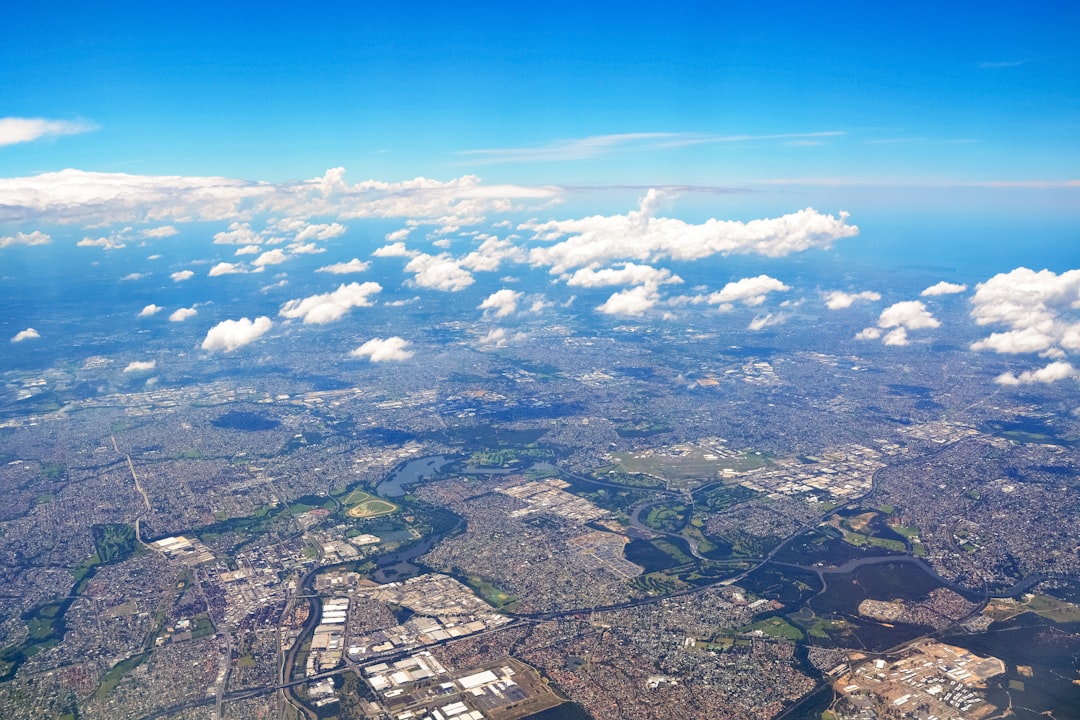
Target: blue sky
{"x": 226, "y": 161}
{"x": 567, "y": 93}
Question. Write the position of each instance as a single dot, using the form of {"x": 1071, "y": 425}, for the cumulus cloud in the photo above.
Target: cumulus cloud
{"x": 439, "y": 272}
{"x": 27, "y": 334}
{"x": 870, "y": 333}
{"x": 248, "y": 250}
{"x": 896, "y": 336}
{"x": 943, "y": 288}
{"x": 238, "y": 233}
{"x": 498, "y": 338}
{"x": 226, "y": 268}
{"x": 384, "y": 350}
{"x": 77, "y": 196}
{"x": 627, "y": 274}
{"x": 150, "y": 309}
{"x": 760, "y": 322}
{"x": 635, "y": 301}
{"x": 394, "y": 237}
{"x": 270, "y": 257}
{"x": 319, "y": 232}
{"x": 899, "y": 319}
{"x": 105, "y": 243}
{"x": 1051, "y": 373}
{"x": 344, "y": 268}
{"x": 502, "y": 302}
{"x": 749, "y": 291}
{"x": 491, "y": 253}
{"x": 182, "y": 275}
{"x": 228, "y": 335}
{"x": 305, "y": 249}
{"x": 640, "y": 235}
{"x": 1039, "y": 310}
{"x": 134, "y": 276}
{"x": 140, "y": 366}
{"x": 160, "y": 232}
{"x": 20, "y": 130}
{"x": 909, "y": 314}
{"x": 837, "y": 300}
{"x": 1026, "y": 340}
{"x": 328, "y": 307}
{"x": 183, "y": 314}
{"x": 34, "y": 238}
{"x": 395, "y": 249}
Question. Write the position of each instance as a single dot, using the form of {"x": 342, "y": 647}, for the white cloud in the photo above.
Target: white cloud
{"x": 328, "y": 307}
{"x": 76, "y": 196}
{"x": 248, "y": 250}
{"x": 138, "y": 366}
{"x": 760, "y": 322}
{"x": 34, "y": 238}
{"x": 238, "y": 234}
{"x": 909, "y": 314}
{"x": 20, "y": 130}
{"x": 597, "y": 145}
{"x": 503, "y": 302}
{"x": 305, "y": 249}
{"x": 491, "y": 254}
{"x": 870, "y": 333}
{"x": 898, "y": 319}
{"x": 943, "y": 288}
{"x": 1051, "y": 373}
{"x": 134, "y": 276}
{"x": 228, "y": 335}
{"x": 498, "y": 338}
{"x": 226, "y": 268}
{"x": 394, "y": 237}
{"x": 837, "y": 300}
{"x": 896, "y": 336}
{"x": 182, "y": 275}
{"x": 27, "y": 334}
{"x": 540, "y": 305}
{"x": 270, "y": 257}
{"x": 150, "y": 309}
{"x": 395, "y": 249}
{"x": 160, "y": 232}
{"x": 635, "y": 301}
{"x": 749, "y": 291}
{"x": 384, "y": 350}
{"x": 183, "y": 314}
{"x": 1026, "y": 340}
{"x": 629, "y": 274}
{"x": 105, "y": 243}
{"x": 640, "y": 235}
{"x": 320, "y": 232}
{"x": 439, "y": 272}
{"x": 1038, "y": 308}
{"x": 344, "y": 268}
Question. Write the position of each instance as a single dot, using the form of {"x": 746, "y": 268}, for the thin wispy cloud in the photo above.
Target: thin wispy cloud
{"x": 1002, "y": 64}
{"x": 595, "y": 146}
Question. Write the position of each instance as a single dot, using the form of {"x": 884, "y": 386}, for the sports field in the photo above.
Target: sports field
{"x": 361, "y": 504}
